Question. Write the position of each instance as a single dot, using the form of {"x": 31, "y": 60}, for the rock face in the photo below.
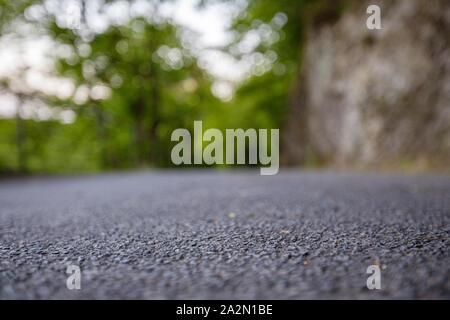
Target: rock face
{"x": 375, "y": 97}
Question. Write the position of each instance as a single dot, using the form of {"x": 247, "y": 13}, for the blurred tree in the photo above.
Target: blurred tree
{"x": 273, "y": 89}
{"x": 9, "y": 11}
{"x": 136, "y": 80}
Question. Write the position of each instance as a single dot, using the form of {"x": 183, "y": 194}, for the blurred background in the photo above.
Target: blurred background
{"x": 92, "y": 85}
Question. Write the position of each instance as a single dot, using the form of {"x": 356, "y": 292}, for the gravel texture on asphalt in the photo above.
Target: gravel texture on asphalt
{"x": 196, "y": 234}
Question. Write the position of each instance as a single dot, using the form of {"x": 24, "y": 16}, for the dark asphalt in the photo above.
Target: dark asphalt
{"x": 230, "y": 235}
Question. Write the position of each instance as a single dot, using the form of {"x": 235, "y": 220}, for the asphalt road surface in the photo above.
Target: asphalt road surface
{"x": 225, "y": 235}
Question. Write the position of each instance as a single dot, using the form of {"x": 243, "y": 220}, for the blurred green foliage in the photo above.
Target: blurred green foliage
{"x": 144, "y": 84}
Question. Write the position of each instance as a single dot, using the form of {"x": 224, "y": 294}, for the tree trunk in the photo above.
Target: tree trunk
{"x": 20, "y": 141}
{"x": 154, "y": 141}
{"x": 101, "y": 135}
